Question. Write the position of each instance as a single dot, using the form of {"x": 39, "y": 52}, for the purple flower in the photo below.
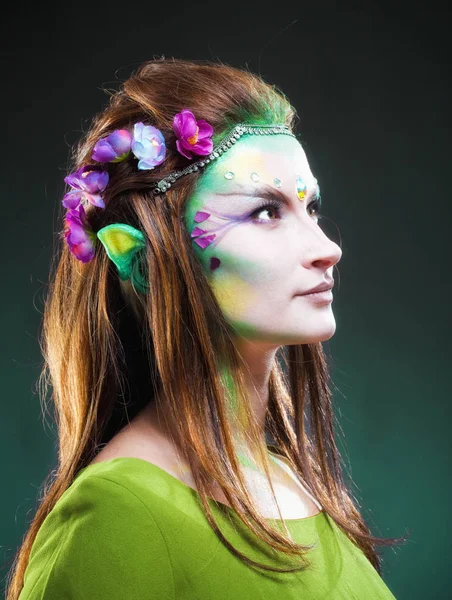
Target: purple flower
{"x": 79, "y": 237}
{"x": 113, "y": 148}
{"x": 194, "y": 136}
{"x": 148, "y": 145}
{"x": 87, "y": 182}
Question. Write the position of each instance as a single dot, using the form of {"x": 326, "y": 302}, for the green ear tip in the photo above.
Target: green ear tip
{"x": 121, "y": 242}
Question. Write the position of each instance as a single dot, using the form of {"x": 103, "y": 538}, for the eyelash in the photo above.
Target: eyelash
{"x": 278, "y": 204}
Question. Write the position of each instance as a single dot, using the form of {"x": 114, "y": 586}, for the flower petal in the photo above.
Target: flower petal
{"x": 75, "y": 232}
{"x": 181, "y": 146}
{"x": 138, "y": 131}
{"x": 72, "y": 199}
{"x": 95, "y": 199}
{"x": 144, "y": 165}
{"x": 184, "y": 124}
{"x": 205, "y": 129}
{"x": 84, "y": 251}
{"x": 149, "y": 146}
{"x": 80, "y": 239}
{"x": 103, "y": 152}
{"x": 95, "y": 180}
{"x": 120, "y": 140}
{"x": 73, "y": 180}
{"x": 89, "y": 178}
{"x": 203, "y": 147}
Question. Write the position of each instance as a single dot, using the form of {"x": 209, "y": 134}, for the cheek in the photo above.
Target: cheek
{"x": 249, "y": 259}
{"x": 233, "y": 294}
{"x": 237, "y": 258}
{"x": 254, "y": 255}
{"x": 247, "y": 275}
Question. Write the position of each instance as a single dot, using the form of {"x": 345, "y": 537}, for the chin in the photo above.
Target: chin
{"x": 307, "y": 336}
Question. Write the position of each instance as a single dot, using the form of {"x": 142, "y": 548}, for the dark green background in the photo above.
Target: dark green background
{"x": 372, "y": 90}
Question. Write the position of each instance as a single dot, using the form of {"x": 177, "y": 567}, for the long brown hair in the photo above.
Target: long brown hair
{"x": 108, "y": 348}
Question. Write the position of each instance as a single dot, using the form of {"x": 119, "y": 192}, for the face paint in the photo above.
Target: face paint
{"x": 201, "y": 216}
{"x": 198, "y": 234}
{"x": 237, "y": 413}
{"x": 202, "y": 242}
{"x": 214, "y": 263}
{"x": 256, "y": 260}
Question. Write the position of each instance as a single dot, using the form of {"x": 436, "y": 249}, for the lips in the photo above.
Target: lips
{"x": 323, "y": 287}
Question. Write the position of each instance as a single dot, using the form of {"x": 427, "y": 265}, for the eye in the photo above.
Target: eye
{"x": 315, "y": 206}
{"x": 276, "y": 205}
{"x": 271, "y": 206}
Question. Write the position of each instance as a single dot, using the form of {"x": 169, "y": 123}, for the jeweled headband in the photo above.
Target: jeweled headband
{"x": 234, "y": 135}
{"x": 146, "y": 143}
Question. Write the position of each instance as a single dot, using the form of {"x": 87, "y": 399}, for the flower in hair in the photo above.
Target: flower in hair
{"x": 113, "y": 148}
{"x": 79, "y": 237}
{"x": 87, "y": 182}
{"x": 194, "y": 136}
{"x": 148, "y": 145}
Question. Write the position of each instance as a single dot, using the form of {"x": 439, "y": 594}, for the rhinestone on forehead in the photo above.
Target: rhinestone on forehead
{"x": 235, "y": 134}
{"x": 301, "y": 188}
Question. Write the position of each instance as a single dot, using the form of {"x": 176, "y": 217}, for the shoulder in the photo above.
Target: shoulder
{"x": 140, "y": 439}
{"x": 101, "y": 541}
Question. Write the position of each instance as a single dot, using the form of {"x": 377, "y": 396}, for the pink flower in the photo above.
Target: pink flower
{"x": 87, "y": 182}
{"x": 194, "y": 136}
{"x": 79, "y": 237}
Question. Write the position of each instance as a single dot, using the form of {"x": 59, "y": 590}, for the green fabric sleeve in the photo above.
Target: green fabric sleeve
{"x": 91, "y": 546}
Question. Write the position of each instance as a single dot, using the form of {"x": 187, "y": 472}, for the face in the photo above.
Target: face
{"x": 255, "y": 230}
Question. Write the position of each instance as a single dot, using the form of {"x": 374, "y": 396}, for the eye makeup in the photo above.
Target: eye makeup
{"x": 270, "y": 204}
{"x": 270, "y": 198}
{"x": 278, "y": 204}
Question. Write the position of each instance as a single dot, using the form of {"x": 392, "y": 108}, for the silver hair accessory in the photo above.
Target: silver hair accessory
{"x": 235, "y": 134}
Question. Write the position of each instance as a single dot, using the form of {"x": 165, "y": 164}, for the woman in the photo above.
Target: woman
{"x": 191, "y": 255}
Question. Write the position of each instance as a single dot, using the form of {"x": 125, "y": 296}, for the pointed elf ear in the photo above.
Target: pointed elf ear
{"x": 122, "y": 242}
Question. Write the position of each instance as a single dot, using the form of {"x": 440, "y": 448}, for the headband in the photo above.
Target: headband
{"x": 147, "y": 144}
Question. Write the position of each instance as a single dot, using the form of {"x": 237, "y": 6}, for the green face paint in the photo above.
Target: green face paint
{"x": 245, "y": 256}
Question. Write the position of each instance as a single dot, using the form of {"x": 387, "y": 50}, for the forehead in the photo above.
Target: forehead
{"x": 269, "y": 156}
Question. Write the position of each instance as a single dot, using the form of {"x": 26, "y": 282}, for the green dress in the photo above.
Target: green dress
{"x": 128, "y": 530}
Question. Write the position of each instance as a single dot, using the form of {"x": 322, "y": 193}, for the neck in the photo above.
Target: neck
{"x": 257, "y": 364}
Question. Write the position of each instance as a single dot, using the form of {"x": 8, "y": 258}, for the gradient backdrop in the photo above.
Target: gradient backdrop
{"x": 372, "y": 90}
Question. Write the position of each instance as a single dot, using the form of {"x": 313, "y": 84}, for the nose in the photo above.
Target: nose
{"x": 319, "y": 248}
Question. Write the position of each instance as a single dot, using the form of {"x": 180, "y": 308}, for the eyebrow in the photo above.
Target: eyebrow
{"x": 268, "y": 192}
